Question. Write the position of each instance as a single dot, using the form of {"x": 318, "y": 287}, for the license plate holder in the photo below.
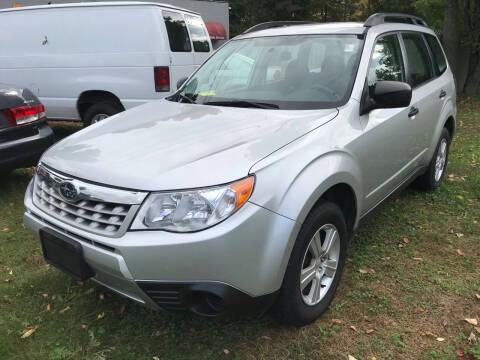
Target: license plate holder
{"x": 65, "y": 254}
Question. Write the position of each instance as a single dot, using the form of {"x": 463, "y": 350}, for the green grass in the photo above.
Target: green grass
{"x": 402, "y": 302}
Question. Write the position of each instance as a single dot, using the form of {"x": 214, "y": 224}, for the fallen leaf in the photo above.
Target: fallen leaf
{"x": 472, "y": 321}
{"x": 155, "y": 358}
{"x": 471, "y": 338}
{"x": 10, "y": 272}
{"x": 335, "y": 322}
{"x": 28, "y": 330}
{"x": 459, "y": 235}
{"x": 460, "y": 252}
{"x": 366, "y": 271}
{"x": 440, "y": 339}
{"x": 353, "y": 328}
{"x": 48, "y": 307}
{"x": 421, "y": 308}
{"x": 460, "y": 352}
{"x": 64, "y": 310}
{"x": 350, "y": 357}
{"x": 405, "y": 240}
{"x": 417, "y": 259}
{"x": 45, "y": 295}
{"x": 5, "y": 229}
{"x": 8, "y": 280}
{"x": 477, "y": 296}
{"x": 460, "y": 197}
{"x": 369, "y": 331}
{"x": 101, "y": 315}
{"x": 226, "y": 351}
{"x": 401, "y": 245}
{"x": 477, "y": 329}
{"x": 264, "y": 337}
{"x": 428, "y": 333}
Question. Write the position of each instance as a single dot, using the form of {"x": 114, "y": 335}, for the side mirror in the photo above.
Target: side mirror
{"x": 386, "y": 95}
{"x": 181, "y": 82}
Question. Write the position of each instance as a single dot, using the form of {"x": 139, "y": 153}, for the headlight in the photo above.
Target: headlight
{"x": 192, "y": 210}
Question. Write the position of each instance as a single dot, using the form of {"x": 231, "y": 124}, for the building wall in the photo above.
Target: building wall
{"x": 211, "y": 11}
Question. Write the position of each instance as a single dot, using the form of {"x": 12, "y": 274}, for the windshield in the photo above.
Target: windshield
{"x": 282, "y": 72}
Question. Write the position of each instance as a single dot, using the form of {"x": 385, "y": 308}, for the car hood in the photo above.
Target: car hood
{"x": 166, "y": 145}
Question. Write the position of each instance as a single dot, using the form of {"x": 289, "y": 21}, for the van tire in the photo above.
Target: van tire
{"x": 98, "y": 109}
{"x": 292, "y": 306}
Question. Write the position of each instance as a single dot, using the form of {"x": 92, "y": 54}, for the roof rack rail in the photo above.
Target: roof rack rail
{"x": 275, "y": 24}
{"x": 381, "y": 18}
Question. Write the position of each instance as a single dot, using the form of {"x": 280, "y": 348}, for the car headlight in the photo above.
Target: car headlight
{"x": 192, "y": 210}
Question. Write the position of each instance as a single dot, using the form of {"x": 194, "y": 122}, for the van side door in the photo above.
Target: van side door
{"x": 200, "y": 39}
{"x": 181, "y": 54}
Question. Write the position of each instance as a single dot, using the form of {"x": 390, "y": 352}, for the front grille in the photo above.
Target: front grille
{"x": 105, "y": 218}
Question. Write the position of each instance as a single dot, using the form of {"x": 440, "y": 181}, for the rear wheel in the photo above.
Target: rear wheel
{"x": 315, "y": 266}
{"x": 98, "y": 112}
{"x": 437, "y": 167}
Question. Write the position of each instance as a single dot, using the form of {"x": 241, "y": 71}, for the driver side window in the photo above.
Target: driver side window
{"x": 386, "y": 62}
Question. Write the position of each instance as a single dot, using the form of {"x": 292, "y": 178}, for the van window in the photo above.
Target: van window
{"x": 438, "y": 56}
{"x": 177, "y": 32}
{"x": 386, "y": 62}
{"x": 199, "y": 37}
{"x": 418, "y": 59}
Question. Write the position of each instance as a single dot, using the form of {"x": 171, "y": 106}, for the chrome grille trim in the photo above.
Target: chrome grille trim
{"x": 97, "y": 209}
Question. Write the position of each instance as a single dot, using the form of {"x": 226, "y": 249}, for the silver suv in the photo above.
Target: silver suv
{"x": 244, "y": 187}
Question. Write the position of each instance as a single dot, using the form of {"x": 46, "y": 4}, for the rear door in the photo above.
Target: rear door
{"x": 200, "y": 39}
{"x": 181, "y": 52}
{"x": 426, "y": 90}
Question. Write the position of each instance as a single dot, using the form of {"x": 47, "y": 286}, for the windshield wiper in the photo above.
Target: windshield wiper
{"x": 187, "y": 98}
{"x": 243, "y": 103}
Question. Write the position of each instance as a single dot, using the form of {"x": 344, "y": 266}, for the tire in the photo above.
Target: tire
{"x": 99, "y": 109}
{"x": 431, "y": 180}
{"x": 300, "y": 307}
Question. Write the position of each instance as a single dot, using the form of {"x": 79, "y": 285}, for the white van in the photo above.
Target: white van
{"x": 88, "y": 61}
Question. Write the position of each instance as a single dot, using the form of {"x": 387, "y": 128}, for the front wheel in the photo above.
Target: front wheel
{"x": 315, "y": 266}
{"x": 437, "y": 167}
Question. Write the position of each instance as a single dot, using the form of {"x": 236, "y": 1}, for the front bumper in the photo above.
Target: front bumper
{"x": 239, "y": 261}
{"x": 26, "y": 151}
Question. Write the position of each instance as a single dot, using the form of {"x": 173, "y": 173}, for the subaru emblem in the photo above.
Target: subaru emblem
{"x": 68, "y": 191}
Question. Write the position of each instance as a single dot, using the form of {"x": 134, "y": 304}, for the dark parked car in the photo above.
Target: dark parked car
{"x": 24, "y": 133}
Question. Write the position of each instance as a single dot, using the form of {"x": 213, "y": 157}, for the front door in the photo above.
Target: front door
{"x": 385, "y": 150}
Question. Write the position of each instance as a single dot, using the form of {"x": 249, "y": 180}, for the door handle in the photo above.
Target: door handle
{"x": 413, "y": 111}
{"x": 443, "y": 93}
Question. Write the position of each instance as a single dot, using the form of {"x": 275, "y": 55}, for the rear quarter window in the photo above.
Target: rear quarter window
{"x": 437, "y": 52}
{"x": 177, "y": 32}
{"x": 198, "y": 34}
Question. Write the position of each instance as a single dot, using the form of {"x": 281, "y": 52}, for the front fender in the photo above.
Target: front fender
{"x": 290, "y": 186}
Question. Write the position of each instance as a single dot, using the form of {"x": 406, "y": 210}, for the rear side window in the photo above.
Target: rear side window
{"x": 438, "y": 56}
{"x": 418, "y": 59}
{"x": 177, "y": 32}
{"x": 386, "y": 62}
{"x": 199, "y": 36}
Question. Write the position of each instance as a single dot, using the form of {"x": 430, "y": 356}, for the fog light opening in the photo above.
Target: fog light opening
{"x": 206, "y": 304}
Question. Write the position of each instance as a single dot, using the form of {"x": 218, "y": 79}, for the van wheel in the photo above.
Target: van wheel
{"x": 315, "y": 266}
{"x": 438, "y": 165}
{"x": 99, "y": 112}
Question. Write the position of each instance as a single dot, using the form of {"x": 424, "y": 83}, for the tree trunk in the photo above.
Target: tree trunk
{"x": 450, "y": 34}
